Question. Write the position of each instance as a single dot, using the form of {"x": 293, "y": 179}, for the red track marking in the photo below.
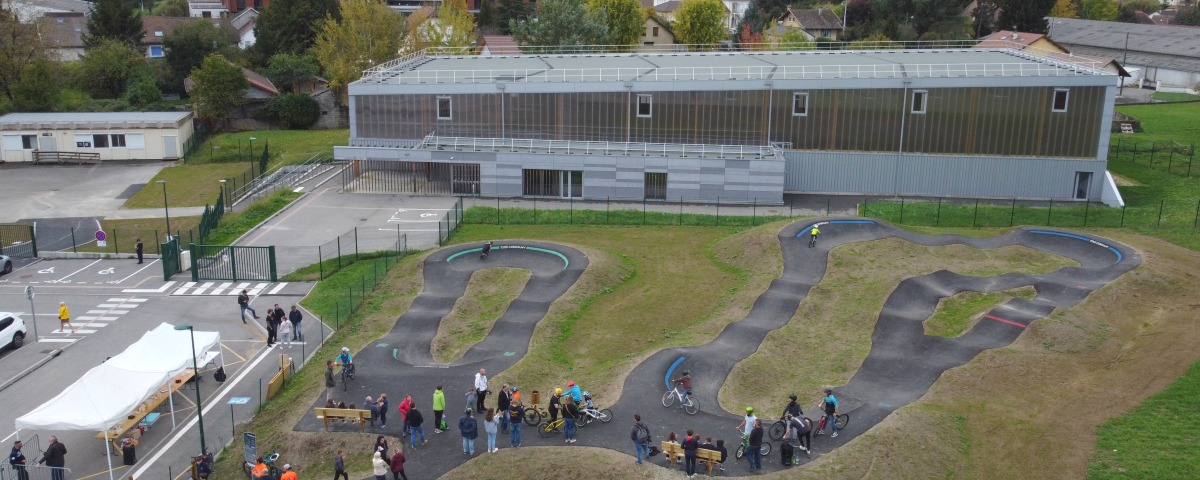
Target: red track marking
{"x": 1005, "y": 321}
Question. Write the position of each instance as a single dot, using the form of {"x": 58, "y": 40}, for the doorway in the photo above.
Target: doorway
{"x": 1083, "y": 185}
{"x": 170, "y": 147}
{"x": 552, "y": 183}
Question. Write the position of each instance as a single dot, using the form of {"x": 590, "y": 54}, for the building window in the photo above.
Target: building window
{"x": 920, "y": 98}
{"x": 28, "y": 142}
{"x": 656, "y": 31}
{"x": 643, "y": 105}
{"x": 799, "y": 104}
{"x": 156, "y": 51}
{"x": 100, "y": 141}
{"x": 655, "y": 186}
{"x": 118, "y": 140}
{"x": 443, "y": 106}
{"x": 648, "y": 44}
{"x": 206, "y": 14}
{"x": 1060, "y": 99}
{"x": 1083, "y": 185}
{"x": 158, "y": 33}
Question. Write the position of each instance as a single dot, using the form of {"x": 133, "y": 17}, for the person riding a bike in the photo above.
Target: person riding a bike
{"x": 574, "y": 391}
{"x": 685, "y": 382}
{"x": 587, "y": 401}
{"x": 830, "y": 405}
{"x": 345, "y": 361}
{"x": 747, "y": 423}
{"x": 793, "y": 408}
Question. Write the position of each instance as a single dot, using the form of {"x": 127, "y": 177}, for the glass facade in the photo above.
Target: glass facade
{"x": 1006, "y": 121}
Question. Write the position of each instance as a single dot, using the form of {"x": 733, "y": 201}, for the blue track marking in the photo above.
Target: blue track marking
{"x": 806, "y": 229}
{"x": 1115, "y": 251}
{"x": 667, "y": 377}
{"x": 566, "y": 262}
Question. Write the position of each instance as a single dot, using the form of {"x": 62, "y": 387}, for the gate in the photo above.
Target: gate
{"x": 17, "y": 240}
{"x": 170, "y": 258}
{"x": 431, "y": 178}
{"x": 233, "y": 263}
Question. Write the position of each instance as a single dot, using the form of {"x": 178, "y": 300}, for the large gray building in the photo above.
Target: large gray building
{"x": 734, "y": 126}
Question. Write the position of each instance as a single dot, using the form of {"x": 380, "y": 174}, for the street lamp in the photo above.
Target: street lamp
{"x": 252, "y": 139}
{"x": 165, "y": 210}
{"x": 196, "y": 378}
{"x": 224, "y": 196}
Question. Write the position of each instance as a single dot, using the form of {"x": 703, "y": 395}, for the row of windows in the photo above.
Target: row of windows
{"x": 645, "y": 104}
{"x": 110, "y": 140}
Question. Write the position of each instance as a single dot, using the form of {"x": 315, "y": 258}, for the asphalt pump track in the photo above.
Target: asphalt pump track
{"x": 901, "y": 366}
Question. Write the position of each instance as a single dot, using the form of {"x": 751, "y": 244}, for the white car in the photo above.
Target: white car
{"x": 12, "y": 330}
{"x": 5, "y": 264}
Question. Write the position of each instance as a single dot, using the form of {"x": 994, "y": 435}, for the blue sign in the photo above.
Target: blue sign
{"x": 239, "y": 400}
{"x": 100, "y": 236}
{"x": 251, "y": 442}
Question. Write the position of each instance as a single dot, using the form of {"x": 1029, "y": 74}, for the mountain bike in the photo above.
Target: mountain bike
{"x": 347, "y": 374}
{"x": 270, "y": 460}
{"x": 765, "y": 448}
{"x": 691, "y": 406}
{"x": 839, "y": 421}
{"x": 778, "y": 429}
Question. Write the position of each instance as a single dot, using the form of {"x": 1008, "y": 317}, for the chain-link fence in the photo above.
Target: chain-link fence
{"x": 1166, "y": 155}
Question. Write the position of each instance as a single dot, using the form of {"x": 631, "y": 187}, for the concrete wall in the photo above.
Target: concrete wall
{"x": 66, "y": 141}
{"x": 938, "y": 175}
{"x": 616, "y": 176}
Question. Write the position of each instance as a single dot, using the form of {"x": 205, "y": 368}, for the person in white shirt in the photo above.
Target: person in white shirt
{"x": 748, "y": 423}
{"x": 481, "y": 390}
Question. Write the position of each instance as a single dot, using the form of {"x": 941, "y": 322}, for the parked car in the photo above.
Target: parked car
{"x": 5, "y": 264}
{"x": 12, "y": 330}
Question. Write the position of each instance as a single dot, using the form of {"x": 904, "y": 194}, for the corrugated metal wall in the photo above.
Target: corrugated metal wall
{"x": 937, "y": 175}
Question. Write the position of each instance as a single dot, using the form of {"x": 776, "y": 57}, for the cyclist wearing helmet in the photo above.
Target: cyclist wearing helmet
{"x": 555, "y": 404}
{"x": 587, "y": 401}
{"x": 345, "y": 361}
{"x": 793, "y": 408}
{"x": 830, "y": 406}
{"x": 684, "y": 381}
{"x": 747, "y": 423}
{"x": 574, "y": 391}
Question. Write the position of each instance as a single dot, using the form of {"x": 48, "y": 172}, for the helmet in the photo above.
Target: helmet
{"x": 829, "y": 391}
{"x": 345, "y": 349}
{"x": 570, "y": 384}
{"x": 515, "y": 389}
{"x": 749, "y": 410}
{"x": 586, "y": 393}
{"x": 792, "y": 397}
{"x": 686, "y": 373}
{"x": 558, "y": 391}
{"x": 287, "y": 466}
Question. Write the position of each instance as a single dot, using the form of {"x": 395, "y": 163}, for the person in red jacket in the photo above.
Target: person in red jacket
{"x": 686, "y": 382}
{"x": 398, "y": 466}
{"x": 404, "y": 407}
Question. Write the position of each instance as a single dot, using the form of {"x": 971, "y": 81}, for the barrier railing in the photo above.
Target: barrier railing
{"x": 233, "y": 263}
{"x": 80, "y": 158}
{"x": 18, "y": 240}
{"x": 571, "y": 147}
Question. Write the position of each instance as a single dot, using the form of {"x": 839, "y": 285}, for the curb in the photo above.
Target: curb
{"x": 265, "y": 220}
{"x": 29, "y": 370}
{"x": 90, "y": 255}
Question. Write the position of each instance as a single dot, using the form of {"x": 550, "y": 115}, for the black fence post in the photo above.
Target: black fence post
{"x": 1170, "y": 159}
{"x": 901, "y": 211}
{"x": 1161, "y": 204}
{"x": 1049, "y": 211}
{"x": 356, "y": 243}
{"x": 828, "y": 206}
{"x": 1123, "y": 207}
{"x": 339, "y": 252}
{"x": 937, "y": 220}
{"x": 1133, "y": 159}
{"x": 497, "y": 210}
{"x": 1086, "y": 207}
{"x": 643, "y": 210}
{"x": 754, "y": 212}
{"x": 1191, "y": 157}
{"x": 680, "y": 211}
{"x": 571, "y": 211}
{"x": 1152, "y": 150}
{"x": 116, "y": 249}
{"x": 975, "y": 217}
{"x": 1197, "y": 217}
{"x": 718, "y": 211}
{"x": 320, "y": 264}
{"x": 73, "y": 249}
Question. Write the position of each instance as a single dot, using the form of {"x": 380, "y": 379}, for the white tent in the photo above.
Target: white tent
{"x": 108, "y": 393}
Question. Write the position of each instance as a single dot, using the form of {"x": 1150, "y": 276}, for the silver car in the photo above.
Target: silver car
{"x": 5, "y": 264}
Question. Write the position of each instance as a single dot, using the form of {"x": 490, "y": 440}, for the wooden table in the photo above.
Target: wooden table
{"x": 117, "y": 431}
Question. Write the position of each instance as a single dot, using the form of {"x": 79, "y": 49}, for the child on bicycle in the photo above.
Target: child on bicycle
{"x": 830, "y": 405}
{"x": 685, "y": 381}
{"x": 587, "y": 401}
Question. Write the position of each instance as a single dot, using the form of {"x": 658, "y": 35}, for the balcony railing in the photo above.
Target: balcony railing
{"x": 577, "y": 147}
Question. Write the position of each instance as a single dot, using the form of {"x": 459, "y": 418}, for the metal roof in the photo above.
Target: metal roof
{"x": 1178, "y": 41}
{"x": 742, "y": 65}
{"x": 19, "y": 121}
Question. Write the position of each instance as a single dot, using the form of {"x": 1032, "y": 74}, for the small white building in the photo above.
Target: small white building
{"x": 207, "y": 9}
{"x": 111, "y": 135}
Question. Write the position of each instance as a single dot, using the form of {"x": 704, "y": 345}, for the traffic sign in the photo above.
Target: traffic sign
{"x": 28, "y": 292}
{"x": 239, "y": 400}
{"x": 100, "y": 236}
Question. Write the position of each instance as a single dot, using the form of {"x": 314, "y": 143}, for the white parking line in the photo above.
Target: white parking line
{"x": 137, "y": 272}
{"x": 277, "y": 288}
{"x": 77, "y": 331}
{"x": 73, "y": 273}
{"x": 58, "y": 340}
{"x": 149, "y": 290}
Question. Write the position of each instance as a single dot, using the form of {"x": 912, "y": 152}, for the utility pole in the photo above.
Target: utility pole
{"x": 1123, "y": 59}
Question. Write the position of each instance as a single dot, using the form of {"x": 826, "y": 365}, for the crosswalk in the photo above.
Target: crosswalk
{"x": 100, "y": 316}
{"x": 228, "y": 288}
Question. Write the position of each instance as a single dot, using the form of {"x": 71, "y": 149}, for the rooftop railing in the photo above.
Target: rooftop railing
{"x": 577, "y": 147}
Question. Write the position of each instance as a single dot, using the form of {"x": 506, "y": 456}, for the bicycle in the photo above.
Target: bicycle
{"x": 546, "y": 428}
{"x": 778, "y": 429}
{"x": 765, "y": 448}
{"x": 347, "y": 374}
{"x": 270, "y": 460}
{"x": 534, "y": 414}
{"x": 691, "y": 406}
{"x": 839, "y": 421}
{"x": 592, "y": 414}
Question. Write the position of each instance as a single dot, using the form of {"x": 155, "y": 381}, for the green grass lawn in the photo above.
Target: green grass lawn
{"x": 1179, "y": 122}
{"x": 1174, "y": 97}
{"x": 1155, "y": 440}
{"x": 233, "y": 225}
{"x": 286, "y": 146}
{"x": 187, "y": 186}
{"x": 955, "y": 315}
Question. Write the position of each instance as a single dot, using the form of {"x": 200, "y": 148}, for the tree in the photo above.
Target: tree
{"x": 750, "y": 40}
{"x": 454, "y": 26}
{"x": 1025, "y": 15}
{"x": 753, "y": 20}
{"x": 877, "y": 41}
{"x": 39, "y": 87}
{"x": 561, "y": 23}
{"x": 625, "y": 20}
{"x": 487, "y": 17}
{"x": 20, "y": 46}
{"x": 287, "y": 70}
{"x": 985, "y": 18}
{"x": 171, "y": 8}
{"x": 1147, "y": 6}
{"x": 926, "y": 13}
{"x": 143, "y": 89}
{"x": 368, "y": 33}
{"x": 1099, "y": 9}
{"x": 104, "y": 69}
{"x": 114, "y": 20}
{"x": 796, "y": 39}
{"x": 217, "y": 88}
{"x": 298, "y": 110}
{"x": 859, "y": 12}
{"x": 1064, "y": 9}
{"x": 1188, "y": 16}
{"x": 188, "y": 44}
{"x": 700, "y": 23}
{"x": 510, "y": 11}
{"x": 290, "y": 26}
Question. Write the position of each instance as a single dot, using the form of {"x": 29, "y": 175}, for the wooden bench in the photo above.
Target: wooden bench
{"x": 708, "y": 457}
{"x": 361, "y": 417}
{"x": 672, "y": 451}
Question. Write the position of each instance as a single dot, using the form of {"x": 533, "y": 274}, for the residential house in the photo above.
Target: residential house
{"x": 29, "y": 10}
{"x": 207, "y": 9}
{"x": 1167, "y": 55}
{"x": 816, "y": 22}
{"x": 65, "y": 32}
{"x": 158, "y": 28}
{"x": 658, "y": 36}
{"x": 238, "y": 6}
{"x": 498, "y": 45}
{"x": 260, "y": 90}
{"x": 666, "y": 10}
{"x": 244, "y": 23}
{"x": 1039, "y": 44}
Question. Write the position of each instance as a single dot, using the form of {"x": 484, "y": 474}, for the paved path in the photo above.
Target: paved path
{"x": 901, "y": 366}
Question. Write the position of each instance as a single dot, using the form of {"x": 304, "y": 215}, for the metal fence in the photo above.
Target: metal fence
{"x": 450, "y": 222}
{"x": 233, "y": 263}
{"x": 389, "y": 176}
{"x": 1164, "y": 213}
{"x": 617, "y": 211}
{"x": 34, "y": 472}
{"x": 118, "y": 240}
{"x": 1163, "y": 155}
{"x": 283, "y": 176}
{"x": 171, "y": 261}
{"x": 18, "y": 240}
{"x": 358, "y": 244}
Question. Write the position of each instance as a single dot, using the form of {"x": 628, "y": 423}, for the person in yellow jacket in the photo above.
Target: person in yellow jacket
{"x": 64, "y": 317}
{"x": 812, "y": 241}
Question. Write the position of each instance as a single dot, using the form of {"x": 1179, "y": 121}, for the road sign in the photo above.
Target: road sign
{"x": 100, "y": 236}
{"x": 239, "y": 400}
{"x": 251, "y": 443}
{"x": 29, "y": 293}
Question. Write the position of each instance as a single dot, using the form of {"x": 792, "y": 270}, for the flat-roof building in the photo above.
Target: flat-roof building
{"x": 104, "y": 136}
{"x": 739, "y": 126}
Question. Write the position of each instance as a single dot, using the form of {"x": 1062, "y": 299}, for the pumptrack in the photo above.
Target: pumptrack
{"x": 902, "y": 364}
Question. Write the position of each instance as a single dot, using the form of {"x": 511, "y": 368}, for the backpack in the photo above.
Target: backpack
{"x": 786, "y": 452}
{"x": 643, "y": 434}
{"x": 654, "y": 451}
{"x": 219, "y": 375}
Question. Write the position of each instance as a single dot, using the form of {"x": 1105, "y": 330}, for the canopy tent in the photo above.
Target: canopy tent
{"x": 106, "y": 394}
